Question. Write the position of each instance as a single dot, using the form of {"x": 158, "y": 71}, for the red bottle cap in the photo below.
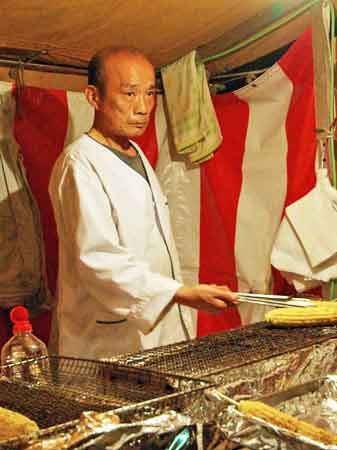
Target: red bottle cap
{"x": 20, "y": 319}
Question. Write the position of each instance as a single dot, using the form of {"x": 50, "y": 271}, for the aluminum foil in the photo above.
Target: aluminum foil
{"x": 286, "y": 370}
{"x": 315, "y": 402}
{"x": 100, "y": 430}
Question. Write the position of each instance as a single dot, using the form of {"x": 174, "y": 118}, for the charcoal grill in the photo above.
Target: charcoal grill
{"x": 65, "y": 387}
{"x": 201, "y": 358}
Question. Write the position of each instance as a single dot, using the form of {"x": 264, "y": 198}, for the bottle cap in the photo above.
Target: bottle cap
{"x": 20, "y": 319}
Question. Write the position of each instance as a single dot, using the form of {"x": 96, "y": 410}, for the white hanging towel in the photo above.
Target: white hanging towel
{"x": 306, "y": 243}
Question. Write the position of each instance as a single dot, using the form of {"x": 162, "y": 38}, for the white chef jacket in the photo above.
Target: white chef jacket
{"x": 118, "y": 265}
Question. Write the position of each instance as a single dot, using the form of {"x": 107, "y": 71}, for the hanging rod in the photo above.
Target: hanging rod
{"x": 43, "y": 67}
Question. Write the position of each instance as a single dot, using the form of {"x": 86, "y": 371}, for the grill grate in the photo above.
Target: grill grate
{"x": 203, "y": 357}
{"x": 62, "y": 388}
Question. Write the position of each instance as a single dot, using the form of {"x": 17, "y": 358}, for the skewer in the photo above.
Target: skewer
{"x": 219, "y": 395}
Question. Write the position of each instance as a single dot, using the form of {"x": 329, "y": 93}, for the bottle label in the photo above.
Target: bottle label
{"x": 30, "y": 371}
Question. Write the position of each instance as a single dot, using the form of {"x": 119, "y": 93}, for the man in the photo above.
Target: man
{"x": 119, "y": 288}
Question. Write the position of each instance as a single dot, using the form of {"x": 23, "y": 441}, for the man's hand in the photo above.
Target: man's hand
{"x": 209, "y": 298}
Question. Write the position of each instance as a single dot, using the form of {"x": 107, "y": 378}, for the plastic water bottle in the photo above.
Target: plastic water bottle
{"x": 21, "y": 346}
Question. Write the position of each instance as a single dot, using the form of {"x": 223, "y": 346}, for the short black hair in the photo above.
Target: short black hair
{"x": 96, "y": 64}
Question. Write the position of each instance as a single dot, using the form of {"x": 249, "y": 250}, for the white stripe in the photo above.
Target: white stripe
{"x": 182, "y": 188}
{"x": 80, "y": 116}
{"x": 264, "y": 183}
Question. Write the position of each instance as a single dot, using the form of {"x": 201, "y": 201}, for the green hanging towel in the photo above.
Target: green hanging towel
{"x": 193, "y": 122}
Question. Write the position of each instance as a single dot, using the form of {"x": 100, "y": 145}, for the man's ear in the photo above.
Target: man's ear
{"x": 92, "y": 95}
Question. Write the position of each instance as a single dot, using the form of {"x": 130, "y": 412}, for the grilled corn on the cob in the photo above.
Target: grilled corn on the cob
{"x": 324, "y": 313}
{"x": 13, "y": 424}
{"x": 281, "y": 419}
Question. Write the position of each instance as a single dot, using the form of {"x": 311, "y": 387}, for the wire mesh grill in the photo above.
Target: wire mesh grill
{"x": 203, "y": 357}
{"x": 54, "y": 390}
{"x": 180, "y": 402}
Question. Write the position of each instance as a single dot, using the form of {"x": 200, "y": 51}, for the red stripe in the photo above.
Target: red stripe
{"x": 40, "y": 129}
{"x": 297, "y": 63}
{"x": 221, "y": 179}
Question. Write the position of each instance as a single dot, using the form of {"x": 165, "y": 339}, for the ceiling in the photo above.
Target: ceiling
{"x": 67, "y": 32}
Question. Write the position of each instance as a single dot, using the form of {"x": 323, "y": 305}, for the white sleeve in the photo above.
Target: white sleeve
{"x": 108, "y": 271}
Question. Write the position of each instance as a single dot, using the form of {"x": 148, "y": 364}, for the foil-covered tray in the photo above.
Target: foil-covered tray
{"x": 314, "y": 402}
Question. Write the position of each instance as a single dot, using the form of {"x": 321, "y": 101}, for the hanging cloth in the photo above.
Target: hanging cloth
{"x": 191, "y": 113}
{"x": 306, "y": 243}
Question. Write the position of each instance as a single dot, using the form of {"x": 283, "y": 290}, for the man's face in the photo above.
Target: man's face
{"x": 129, "y": 96}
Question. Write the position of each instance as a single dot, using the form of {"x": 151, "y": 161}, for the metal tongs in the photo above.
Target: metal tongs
{"x": 277, "y": 301}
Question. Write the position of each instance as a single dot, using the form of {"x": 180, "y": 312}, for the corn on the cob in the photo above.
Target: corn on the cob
{"x": 283, "y": 420}
{"x": 324, "y": 313}
{"x": 13, "y": 424}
